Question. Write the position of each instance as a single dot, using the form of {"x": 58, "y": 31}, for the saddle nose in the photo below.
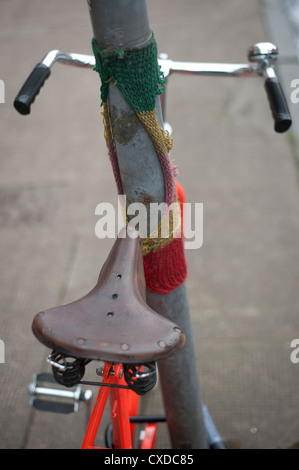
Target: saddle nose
{"x": 112, "y": 322}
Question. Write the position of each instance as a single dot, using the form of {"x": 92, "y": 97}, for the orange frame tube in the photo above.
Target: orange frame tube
{"x": 123, "y": 404}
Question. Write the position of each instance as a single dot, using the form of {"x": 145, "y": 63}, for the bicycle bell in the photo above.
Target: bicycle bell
{"x": 262, "y": 51}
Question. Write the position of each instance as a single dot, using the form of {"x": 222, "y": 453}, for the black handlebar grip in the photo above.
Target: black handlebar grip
{"x": 279, "y": 107}
{"x": 31, "y": 88}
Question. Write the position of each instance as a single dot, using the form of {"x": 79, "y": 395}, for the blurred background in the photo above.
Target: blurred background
{"x": 243, "y": 282}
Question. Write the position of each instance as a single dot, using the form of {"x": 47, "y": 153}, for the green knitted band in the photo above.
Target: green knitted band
{"x": 135, "y": 72}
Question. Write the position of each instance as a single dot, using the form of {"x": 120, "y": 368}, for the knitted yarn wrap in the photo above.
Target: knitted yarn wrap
{"x": 138, "y": 76}
{"x": 135, "y": 72}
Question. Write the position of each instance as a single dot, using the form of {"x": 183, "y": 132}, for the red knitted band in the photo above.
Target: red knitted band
{"x": 166, "y": 269}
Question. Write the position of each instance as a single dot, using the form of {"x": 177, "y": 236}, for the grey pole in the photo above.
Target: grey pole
{"x": 123, "y": 24}
{"x": 179, "y": 377}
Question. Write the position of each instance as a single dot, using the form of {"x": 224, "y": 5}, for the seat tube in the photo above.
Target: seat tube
{"x": 120, "y": 418}
{"x": 123, "y": 24}
{"x": 97, "y": 412}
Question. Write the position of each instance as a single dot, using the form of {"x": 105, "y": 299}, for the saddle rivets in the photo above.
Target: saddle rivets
{"x": 124, "y": 347}
{"x": 177, "y": 330}
{"x": 162, "y": 344}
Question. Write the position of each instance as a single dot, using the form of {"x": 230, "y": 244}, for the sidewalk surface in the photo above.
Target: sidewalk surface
{"x": 243, "y": 282}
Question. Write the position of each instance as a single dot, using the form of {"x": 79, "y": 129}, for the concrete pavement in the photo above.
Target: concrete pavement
{"x": 243, "y": 282}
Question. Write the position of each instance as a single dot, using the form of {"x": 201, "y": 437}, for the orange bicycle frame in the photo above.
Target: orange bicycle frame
{"x": 124, "y": 403}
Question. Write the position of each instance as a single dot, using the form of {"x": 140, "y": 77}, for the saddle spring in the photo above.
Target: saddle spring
{"x": 141, "y": 378}
{"x": 67, "y": 371}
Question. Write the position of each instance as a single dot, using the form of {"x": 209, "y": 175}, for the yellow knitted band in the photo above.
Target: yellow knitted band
{"x": 170, "y": 223}
{"x": 161, "y": 139}
{"x": 168, "y": 228}
{"x": 106, "y": 122}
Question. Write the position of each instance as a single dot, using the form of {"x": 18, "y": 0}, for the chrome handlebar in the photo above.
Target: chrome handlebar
{"x": 261, "y": 57}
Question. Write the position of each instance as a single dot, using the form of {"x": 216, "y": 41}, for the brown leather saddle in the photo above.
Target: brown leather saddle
{"x": 112, "y": 322}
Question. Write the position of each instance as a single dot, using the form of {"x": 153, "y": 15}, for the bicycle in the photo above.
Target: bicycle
{"x": 263, "y": 54}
